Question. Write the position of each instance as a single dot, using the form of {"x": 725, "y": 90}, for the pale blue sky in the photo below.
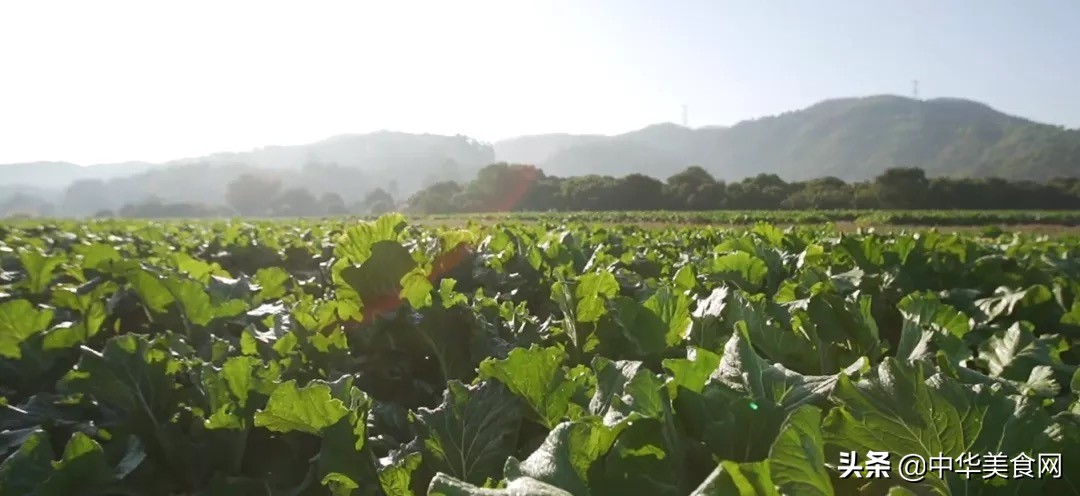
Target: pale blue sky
{"x": 118, "y": 80}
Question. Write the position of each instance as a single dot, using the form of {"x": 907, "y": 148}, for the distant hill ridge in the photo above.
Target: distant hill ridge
{"x": 850, "y": 138}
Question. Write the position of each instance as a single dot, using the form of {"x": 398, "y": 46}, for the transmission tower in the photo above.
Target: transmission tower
{"x": 915, "y": 89}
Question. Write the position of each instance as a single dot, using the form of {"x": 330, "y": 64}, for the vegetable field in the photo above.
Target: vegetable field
{"x": 957, "y": 218}
{"x": 541, "y": 358}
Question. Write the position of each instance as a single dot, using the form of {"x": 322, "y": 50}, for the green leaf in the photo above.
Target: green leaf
{"x": 1006, "y": 300}
{"x": 447, "y": 294}
{"x": 132, "y": 373}
{"x": 707, "y": 329}
{"x": 379, "y": 277}
{"x": 592, "y": 290}
{"x": 624, "y": 388}
{"x": 343, "y": 465}
{"x": 673, "y": 310}
{"x": 309, "y": 409}
{"x": 797, "y": 458}
{"x": 445, "y": 485}
{"x": 83, "y": 466}
{"x": 355, "y": 245}
{"x": 272, "y": 283}
{"x": 738, "y": 479}
{"x": 928, "y": 311}
{"x": 92, "y": 314}
{"x": 691, "y": 372}
{"x": 416, "y": 288}
{"x": 39, "y": 269}
{"x": 742, "y": 370}
{"x": 25, "y": 470}
{"x": 471, "y": 434}
{"x": 150, "y": 289}
{"x": 565, "y": 457}
{"x": 97, "y": 254}
{"x": 740, "y": 268}
{"x": 930, "y": 325}
{"x": 195, "y": 303}
{"x": 1013, "y": 353}
{"x": 18, "y": 321}
{"x": 396, "y": 478}
{"x": 685, "y": 279}
{"x": 901, "y": 412}
{"x": 538, "y": 377}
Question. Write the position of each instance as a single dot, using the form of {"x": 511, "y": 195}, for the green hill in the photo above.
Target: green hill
{"x": 850, "y": 138}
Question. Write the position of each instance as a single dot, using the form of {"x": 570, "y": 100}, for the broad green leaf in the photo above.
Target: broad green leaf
{"x": 742, "y": 370}
{"x": 396, "y": 478}
{"x": 447, "y": 294}
{"x": 416, "y": 288}
{"x": 624, "y": 388}
{"x": 928, "y": 311}
{"x": 673, "y": 310}
{"x": 343, "y": 465}
{"x": 565, "y": 457}
{"x": 691, "y": 372}
{"x": 707, "y": 329}
{"x": 738, "y": 479}
{"x": 355, "y": 245}
{"x": 471, "y": 434}
{"x": 445, "y": 485}
{"x": 901, "y": 412}
{"x": 797, "y": 458}
{"x": 1006, "y": 301}
{"x": 685, "y": 279}
{"x": 272, "y": 283}
{"x": 92, "y": 314}
{"x": 378, "y": 278}
{"x": 25, "y": 470}
{"x": 39, "y": 269}
{"x": 642, "y": 330}
{"x": 309, "y": 409}
{"x": 1013, "y": 353}
{"x": 538, "y": 377}
{"x": 18, "y": 321}
{"x": 740, "y": 268}
{"x": 132, "y": 373}
{"x": 82, "y": 467}
{"x": 150, "y": 289}
{"x": 592, "y": 290}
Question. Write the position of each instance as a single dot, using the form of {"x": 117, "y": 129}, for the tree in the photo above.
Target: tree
{"x": 332, "y": 204}
{"x": 85, "y": 196}
{"x": 694, "y": 189}
{"x": 638, "y": 192}
{"x": 295, "y": 202}
{"x": 436, "y": 199}
{"x": 378, "y": 201}
{"x": 902, "y": 187}
{"x": 252, "y": 194}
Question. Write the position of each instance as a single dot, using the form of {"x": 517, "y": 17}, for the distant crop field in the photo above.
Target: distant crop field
{"x": 540, "y": 354}
{"x": 928, "y": 218}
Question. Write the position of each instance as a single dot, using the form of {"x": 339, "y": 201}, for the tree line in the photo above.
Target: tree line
{"x": 508, "y": 187}
{"x": 502, "y": 187}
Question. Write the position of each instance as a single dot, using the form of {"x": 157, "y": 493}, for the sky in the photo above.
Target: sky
{"x": 118, "y": 80}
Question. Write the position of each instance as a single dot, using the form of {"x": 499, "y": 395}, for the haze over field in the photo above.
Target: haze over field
{"x": 178, "y": 101}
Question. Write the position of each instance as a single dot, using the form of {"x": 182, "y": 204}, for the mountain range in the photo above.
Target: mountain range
{"x": 848, "y": 138}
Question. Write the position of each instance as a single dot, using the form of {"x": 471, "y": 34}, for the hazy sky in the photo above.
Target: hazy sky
{"x": 109, "y": 81}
